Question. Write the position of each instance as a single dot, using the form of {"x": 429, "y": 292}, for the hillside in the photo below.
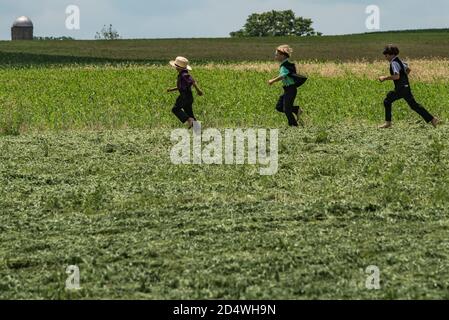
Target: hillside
{"x": 414, "y": 44}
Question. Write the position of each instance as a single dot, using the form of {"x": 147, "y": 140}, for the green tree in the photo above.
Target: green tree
{"x": 107, "y": 33}
{"x": 276, "y": 24}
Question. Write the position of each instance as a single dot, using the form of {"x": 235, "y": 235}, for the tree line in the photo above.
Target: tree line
{"x": 276, "y": 24}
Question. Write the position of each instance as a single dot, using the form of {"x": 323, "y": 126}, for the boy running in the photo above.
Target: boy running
{"x": 399, "y": 72}
{"x": 183, "y": 108}
{"x": 286, "y": 101}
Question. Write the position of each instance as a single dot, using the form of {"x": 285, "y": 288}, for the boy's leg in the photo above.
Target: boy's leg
{"x": 298, "y": 112}
{"x": 417, "y": 107}
{"x": 289, "y": 100}
{"x": 178, "y": 110}
{"x": 392, "y": 96}
{"x": 295, "y": 109}
{"x": 280, "y": 104}
{"x": 188, "y": 108}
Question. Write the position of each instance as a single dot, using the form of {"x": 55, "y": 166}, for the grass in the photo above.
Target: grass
{"x": 414, "y": 44}
{"x": 345, "y": 197}
{"x": 105, "y": 97}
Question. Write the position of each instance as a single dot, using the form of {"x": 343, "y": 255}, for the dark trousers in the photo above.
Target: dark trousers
{"x": 406, "y": 94}
{"x": 183, "y": 108}
{"x": 285, "y": 105}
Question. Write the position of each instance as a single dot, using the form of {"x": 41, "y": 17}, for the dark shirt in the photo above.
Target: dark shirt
{"x": 185, "y": 81}
{"x": 398, "y": 67}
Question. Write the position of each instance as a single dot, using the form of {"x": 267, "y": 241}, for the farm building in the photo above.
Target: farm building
{"x": 22, "y": 29}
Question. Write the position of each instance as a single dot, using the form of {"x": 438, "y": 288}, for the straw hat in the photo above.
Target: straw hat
{"x": 286, "y": 49}
{"x": 181, "y": 62}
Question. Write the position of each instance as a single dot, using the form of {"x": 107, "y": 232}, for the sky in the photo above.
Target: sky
{"x": 214, "y": 18}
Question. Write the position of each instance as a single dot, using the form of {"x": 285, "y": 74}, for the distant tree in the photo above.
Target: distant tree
{"x": 107, "y": 33}
{"x": 54, "y": 38}
{"x": 236, "y": 34}
{"x": 276, "y": 24}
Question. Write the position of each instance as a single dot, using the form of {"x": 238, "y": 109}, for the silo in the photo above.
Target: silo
{"x": 22, "y": 29}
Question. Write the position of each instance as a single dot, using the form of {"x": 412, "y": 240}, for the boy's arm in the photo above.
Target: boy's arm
{"x": 272, "y": 81}
{"x": 198, "y": 90}
{"x": 396, "y": 70}
{"x": 392, "y": 78}
{"x": 408, "y": 70}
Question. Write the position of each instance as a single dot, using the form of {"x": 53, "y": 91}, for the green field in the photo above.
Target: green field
{"x": 414, "y": 44}
{"x": 134, "y": 97}
{"x": 86, "y": 178}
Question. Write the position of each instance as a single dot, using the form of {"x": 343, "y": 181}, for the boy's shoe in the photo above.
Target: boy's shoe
{"x": 386, "y": 125}
{"x": 435, "y": 122}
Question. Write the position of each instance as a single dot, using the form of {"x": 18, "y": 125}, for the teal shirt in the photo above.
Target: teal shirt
{"x": 283, "y": 72}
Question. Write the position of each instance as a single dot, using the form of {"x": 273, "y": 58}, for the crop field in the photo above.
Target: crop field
{"x": 86, "y": 179}
{"x": 114, "y": 97}
{"x": 418, "y": 44}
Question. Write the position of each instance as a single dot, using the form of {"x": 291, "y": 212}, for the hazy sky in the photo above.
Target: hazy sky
{"x": 214, "y": 18}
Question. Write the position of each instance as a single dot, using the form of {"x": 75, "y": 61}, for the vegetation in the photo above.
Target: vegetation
{"x": 63, "y": 38}
{"x": 86, "y": 177}
{"x": 276, "y": 24}
{"x": 366, "y": 47}
{"x": 116, "y": 97}
{"x": 107, "y": 33}
{"x": 346, "y": 196}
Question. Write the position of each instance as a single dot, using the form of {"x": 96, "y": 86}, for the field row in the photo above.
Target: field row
{"x": 122, "y": 97}
{"x": 424, "y": 70}
{"x": 414, "y": 44}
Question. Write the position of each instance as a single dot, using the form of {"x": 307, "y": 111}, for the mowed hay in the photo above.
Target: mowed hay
{"x": 139, "y": 227}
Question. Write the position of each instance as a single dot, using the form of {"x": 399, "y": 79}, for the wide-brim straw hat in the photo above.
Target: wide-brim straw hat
{"x": 286, "y": 49}
{"x": 181, "y": 62}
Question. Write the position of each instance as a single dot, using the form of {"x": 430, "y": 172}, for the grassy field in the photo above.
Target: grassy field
{"x": 94, "y": 97}
{"x": 345, "y": 197}
{"x": 414, "y": 44}
{"x": 86, "y": 179}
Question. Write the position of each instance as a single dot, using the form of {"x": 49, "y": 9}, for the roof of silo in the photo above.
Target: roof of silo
{"x": 22, "y": 22}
